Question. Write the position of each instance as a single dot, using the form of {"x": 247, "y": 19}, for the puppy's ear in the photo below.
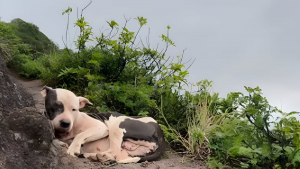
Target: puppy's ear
{"x": 45, "y": 90}
{"x": 83, "y": 101}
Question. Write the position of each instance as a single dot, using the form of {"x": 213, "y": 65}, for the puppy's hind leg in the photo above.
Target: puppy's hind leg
{"x": 91, "y": 134}
{"x": 115, "y": 140}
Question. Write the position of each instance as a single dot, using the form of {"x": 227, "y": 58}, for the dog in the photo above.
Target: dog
{"x": 112, "y": 137}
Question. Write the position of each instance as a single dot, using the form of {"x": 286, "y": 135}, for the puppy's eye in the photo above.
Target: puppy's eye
{"x": 73, "y": 109}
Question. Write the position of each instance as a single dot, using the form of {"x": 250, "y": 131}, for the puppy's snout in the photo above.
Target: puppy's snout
{"x": 64, "y": 124}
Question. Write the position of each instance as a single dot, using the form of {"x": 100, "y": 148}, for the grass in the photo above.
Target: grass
{"x": 201, "y": 118}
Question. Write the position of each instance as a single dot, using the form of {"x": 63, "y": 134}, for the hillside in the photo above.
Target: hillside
{"x": 30, "y": 34}
{"x": 21, "y": 37}
{"x": 21, "y": 43}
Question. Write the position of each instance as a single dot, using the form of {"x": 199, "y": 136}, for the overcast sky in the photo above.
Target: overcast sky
{"x": 235, "y": 43}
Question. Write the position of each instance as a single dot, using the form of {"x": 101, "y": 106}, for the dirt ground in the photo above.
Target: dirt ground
{"x": 169, "y": 160}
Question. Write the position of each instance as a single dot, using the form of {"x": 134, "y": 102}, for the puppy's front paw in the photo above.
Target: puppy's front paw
{"x": 91, "y": 156}
{"x": 74, "y": 150}
{"x": 59, "y": 144}
{"x": 104, "y": 156}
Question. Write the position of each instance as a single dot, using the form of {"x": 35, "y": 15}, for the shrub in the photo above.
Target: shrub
{"x": 31, "y": 69}
{"x": 248, "y": 141}
{"x": 52, "y": 65}
{"x": 18, "y": 60}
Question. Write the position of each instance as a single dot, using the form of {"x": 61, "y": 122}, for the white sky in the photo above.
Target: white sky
{"x": 235, "y": 43}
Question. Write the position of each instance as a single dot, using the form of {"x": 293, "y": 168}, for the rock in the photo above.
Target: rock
{"x": 23, "y": 144}
{"x": 12, "y": 95}
{"x": 26, "y": 136}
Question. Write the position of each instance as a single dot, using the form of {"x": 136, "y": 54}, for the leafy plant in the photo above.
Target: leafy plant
{"x": 247, "y": 140}
{"x": 31, "y": 69}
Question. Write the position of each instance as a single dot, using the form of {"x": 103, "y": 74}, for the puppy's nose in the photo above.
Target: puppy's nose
{"x": 64, "y": 124}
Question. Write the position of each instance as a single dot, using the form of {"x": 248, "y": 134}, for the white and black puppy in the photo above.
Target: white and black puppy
{"x": 112, "y": 137}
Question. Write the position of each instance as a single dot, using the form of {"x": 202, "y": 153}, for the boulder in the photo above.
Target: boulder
{"x": 26, "y": 136}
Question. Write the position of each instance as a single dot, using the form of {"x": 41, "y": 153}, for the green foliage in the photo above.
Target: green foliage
{"x": 53, "y": 65}
{"x": 31, "y": 69}
{"x": 31, "y": 35}
{"x": 18, "y": 60}
{"x": 25, "y": 65}
{"x": 169, "y": 133}
{"x": 9, "y": 42}
{"x": 201, "y": 114}
{"x": 68, "y": 11}
{"x": 21, "y": 44}
{"x": 213, "y": 163}
{"x": 6, "y": 31}
{"x": 85, "y": 33}
{"x": 246, "y": 139}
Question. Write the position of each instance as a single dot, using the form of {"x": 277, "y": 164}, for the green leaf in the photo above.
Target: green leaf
{"x": 296, "y": 158}
{"x": 240, "y": 151}
{"x": 244, "y": 165}
{"x": 94, "y": 62}
{"x": 113, "y": 24}
{"x": 68, "y": 11}
{"x": 286, "y": 129}
{"x": 265, "y": 150}
{"x": 292, "y": 113}
{"x": 142, "y": 21}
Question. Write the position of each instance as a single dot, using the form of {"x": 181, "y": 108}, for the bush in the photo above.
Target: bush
{"x": 31, "y": 69}
{"x": 18, "y": 60}
{"x": 25, "y": 65}
{"x": 52, "y": 65}
{"x": 247, "y": 140}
